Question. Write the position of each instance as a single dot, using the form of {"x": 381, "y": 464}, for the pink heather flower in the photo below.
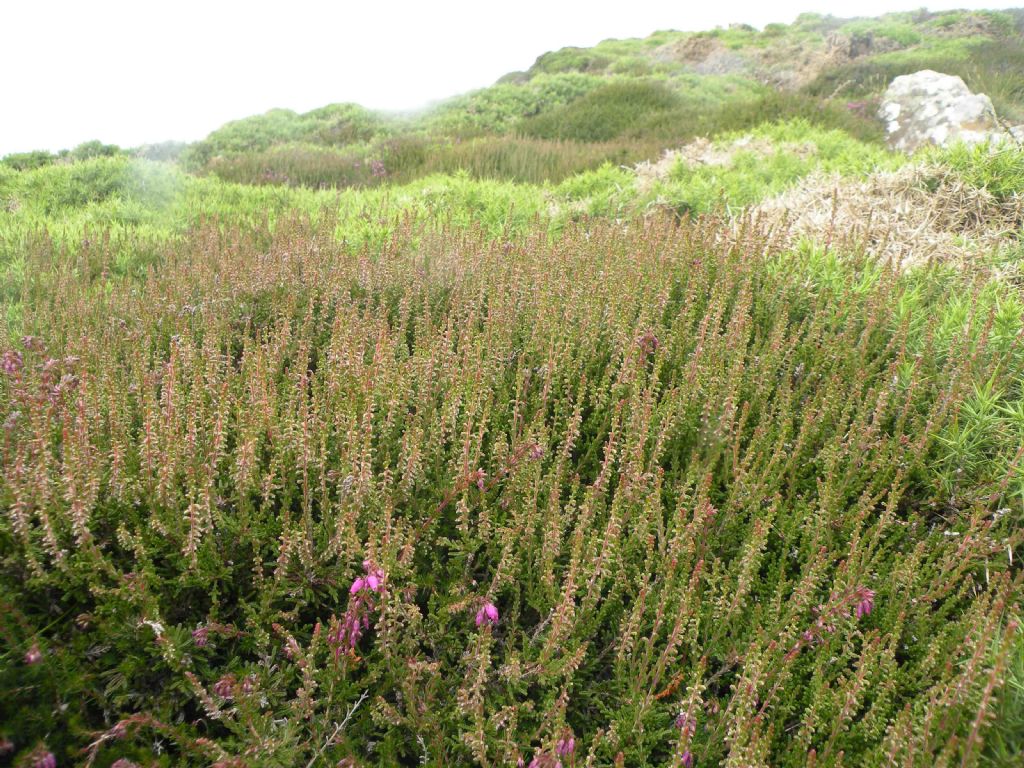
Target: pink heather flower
{"x": 10, "y": 362}
{"x": 481, "y": 478}
{"x": 44, "y": 760}
{"x": 687, "y": 759}
{"x": 357, "y": 585}
{"x": 34, "y": 655}
{"x": 566, "y": 746}
{"x": 866, "y": 604}
{"x": 225, "y": 687}
{"x": 487, "y": 615}
{"x": 373, "y": 582}
{"x": 6, "y": 747}
{"x": 536, "y": 452}
{"x": 201, "y": 637}
{"x": 123, "y": 762}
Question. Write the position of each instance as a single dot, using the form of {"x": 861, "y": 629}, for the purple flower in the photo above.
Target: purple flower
{"x": 123, "y": 762}
{"x": 6, "y": 747}
{"x": 225, "y": 687}
{"x": 10, "y": 362}
{"x": 866, "y": 603}
{"x": 687, "y": 759}
{"x": 565, "y": 746}
{"x": 34, "y": 655}
{"x": 357, "y": 585}
{"x": 487, "y": 615}
{"x": 201, "y": 637}
{"x": 44, "y": 760}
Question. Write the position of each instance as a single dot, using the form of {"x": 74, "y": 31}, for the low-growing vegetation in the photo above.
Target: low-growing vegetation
{"x": 639, "y": 410}
{"x": 697, "y": 495}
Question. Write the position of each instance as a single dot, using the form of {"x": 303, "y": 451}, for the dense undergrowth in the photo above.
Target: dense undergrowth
{"x": 703, "y": 484}
{"x": 520, "y": 430}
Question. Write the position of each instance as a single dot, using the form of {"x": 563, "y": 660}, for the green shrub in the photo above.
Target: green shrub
{"x": 605, "y": 113}
{"x": 27, "y": 161}
{"x": 501, "y": 107}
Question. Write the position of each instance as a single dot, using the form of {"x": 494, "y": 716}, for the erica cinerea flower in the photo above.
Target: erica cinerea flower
{"x": 225, "y": 687}
{"x": 42, "y": 758}
{"x": 566, "y": 745}
{"x": 487, "y": 615}
{"x": 866, "y": 602}
{"x": 373, "y": 580}
{"x": 347, "y": 631}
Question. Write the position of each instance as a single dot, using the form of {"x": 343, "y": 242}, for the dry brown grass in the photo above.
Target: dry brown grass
{"x": 908, "y": 217}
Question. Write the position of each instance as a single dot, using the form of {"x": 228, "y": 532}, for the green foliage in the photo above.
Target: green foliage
{"x": 999, "y": 169}
{"x": 27, "y": 161}
{"x": 681, "y": 462}
{"x": 766, "y": 161}
{"x": 605, "y": 113}
{"x": 336, "y": 124}
{"x": 89, "y": 149}
{"x": 501, "y": 107}
{"x": 901, "y": 32}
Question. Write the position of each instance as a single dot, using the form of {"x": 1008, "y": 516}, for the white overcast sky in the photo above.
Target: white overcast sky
{"x": 146, "y": 71}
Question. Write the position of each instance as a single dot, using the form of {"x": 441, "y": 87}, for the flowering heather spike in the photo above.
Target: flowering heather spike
{"x": 124, "y": 762}
{"x": 201, "y": 636}
{"x": 33, "y": 655}
{"x": 687, "y": 759}
{"x": 487, "y": 615}
{"x": 44, "y": 759}
{"x": 566, "y": 746}
{"x": 866, "y": 603}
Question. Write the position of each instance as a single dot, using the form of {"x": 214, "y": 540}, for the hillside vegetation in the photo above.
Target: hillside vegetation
{"x": 642, "y": 409}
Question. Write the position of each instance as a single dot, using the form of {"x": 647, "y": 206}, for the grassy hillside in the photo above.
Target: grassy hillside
{"x": 639, "y": 410}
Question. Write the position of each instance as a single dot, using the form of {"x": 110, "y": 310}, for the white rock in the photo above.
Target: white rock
{"x": 932, "y": 108}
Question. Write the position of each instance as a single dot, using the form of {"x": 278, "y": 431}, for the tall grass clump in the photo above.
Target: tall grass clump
{"x": 635, "y": 495}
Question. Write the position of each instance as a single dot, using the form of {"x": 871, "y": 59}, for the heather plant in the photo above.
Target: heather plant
{"x": 655, "y": 494}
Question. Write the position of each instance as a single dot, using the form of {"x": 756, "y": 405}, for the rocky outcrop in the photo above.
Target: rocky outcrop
{"x": 929, "y": 107}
